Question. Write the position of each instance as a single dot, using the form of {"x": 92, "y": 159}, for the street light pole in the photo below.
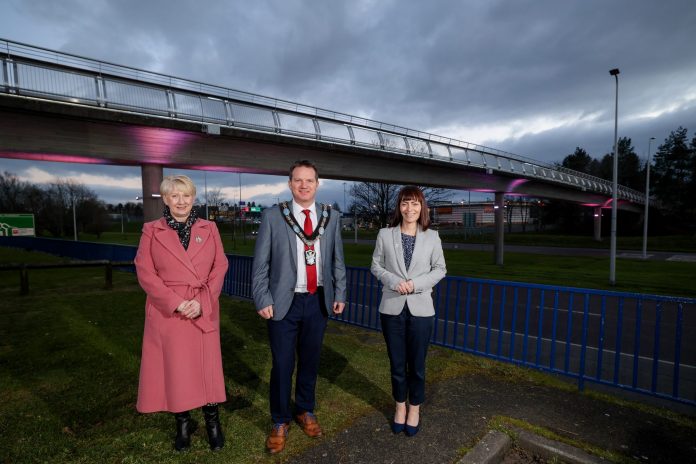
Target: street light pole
{"x": 121, "y": 219}
{"x": 647, "y": 202}
{"x": 615, "y": 183}
{"x": 205, "y": 182}
{"x": 74, "y": 218}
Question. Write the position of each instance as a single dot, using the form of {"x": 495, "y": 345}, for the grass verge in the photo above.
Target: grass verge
{"x": 69, "y": 360}
{"x": 632, "y": 275}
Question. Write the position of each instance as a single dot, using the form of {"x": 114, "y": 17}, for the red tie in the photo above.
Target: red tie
{"x": 311, "y": 269}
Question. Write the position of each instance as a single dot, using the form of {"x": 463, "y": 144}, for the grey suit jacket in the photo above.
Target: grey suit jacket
{"x": 274, "y": 272}
{"x": 426, "y": 270}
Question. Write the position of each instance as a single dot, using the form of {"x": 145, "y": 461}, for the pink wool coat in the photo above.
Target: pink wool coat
{"x": 181, "y": 365}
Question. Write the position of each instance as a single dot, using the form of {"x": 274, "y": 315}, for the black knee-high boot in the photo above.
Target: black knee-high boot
{"x": 212, "y": 424}
{"x": 185, "y": 426}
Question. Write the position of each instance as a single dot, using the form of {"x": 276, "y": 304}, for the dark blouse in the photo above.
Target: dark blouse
{"x": 408, "y": 242}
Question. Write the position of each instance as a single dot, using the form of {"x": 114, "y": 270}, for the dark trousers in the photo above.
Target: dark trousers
{"x": 407, "y": 338}
{"x": 302, "y": 331}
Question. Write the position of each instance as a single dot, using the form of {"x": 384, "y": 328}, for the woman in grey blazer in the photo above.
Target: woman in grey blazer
{"x": 408, "y": 261}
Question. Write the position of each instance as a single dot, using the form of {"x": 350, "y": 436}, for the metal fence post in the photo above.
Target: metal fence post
{"x": 108, "y": 276}
{"x": 24, "y": 280}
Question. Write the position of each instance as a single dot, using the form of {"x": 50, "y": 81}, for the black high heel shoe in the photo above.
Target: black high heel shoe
{"x": 396, "y": 427}
{"x": 411, "y": 430}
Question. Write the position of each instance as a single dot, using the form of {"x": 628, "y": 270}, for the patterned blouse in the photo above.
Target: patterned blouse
{"x": 408, "y": 242}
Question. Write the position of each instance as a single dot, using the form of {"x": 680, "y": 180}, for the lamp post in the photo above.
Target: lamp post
{"x": 205, "y": 183}
{"x": 647, "y": 202}
{"x": 74, "y": 218}
{"x": 121, "y": 220}
{"x": 614, "y": 185}
{"x": 344, "y": 198}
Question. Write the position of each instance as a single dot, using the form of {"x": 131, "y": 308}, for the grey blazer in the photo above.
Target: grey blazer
{"x": 274, "y": 271}
{"x": 426, "y": 270}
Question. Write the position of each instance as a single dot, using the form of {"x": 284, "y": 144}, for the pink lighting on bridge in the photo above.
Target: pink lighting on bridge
{"x": 605, "y": 205}
{"x": 515, "y": 183}
{"x": 158, "y": 144}
{"x": 218, "y": 168}
{"x": 59, "y": 158}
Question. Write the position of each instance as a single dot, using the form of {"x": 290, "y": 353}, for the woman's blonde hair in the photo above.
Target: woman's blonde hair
{"x": 179, "y": 182}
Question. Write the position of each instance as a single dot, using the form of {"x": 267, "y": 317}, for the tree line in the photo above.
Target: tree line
{"x": 672, "y": 176}
{"x": 52, "y": 205}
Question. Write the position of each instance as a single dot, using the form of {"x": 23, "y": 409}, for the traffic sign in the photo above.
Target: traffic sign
{"x": 13, "y": 225}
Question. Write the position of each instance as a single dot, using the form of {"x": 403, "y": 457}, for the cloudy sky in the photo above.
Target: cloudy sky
{"x": 529, "y": 77}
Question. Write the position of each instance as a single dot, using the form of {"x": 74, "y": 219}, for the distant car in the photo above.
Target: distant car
{"x": 254, "y": 232}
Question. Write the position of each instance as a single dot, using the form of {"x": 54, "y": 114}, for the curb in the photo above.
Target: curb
{"x": 490, "y": 449}
{"x": 550, "y": 449}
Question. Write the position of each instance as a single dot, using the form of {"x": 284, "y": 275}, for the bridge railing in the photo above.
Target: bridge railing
{"x": 637, "y": 342}
{"x": 42, "y": 73}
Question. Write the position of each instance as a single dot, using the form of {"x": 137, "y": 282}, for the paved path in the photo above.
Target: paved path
{"x": 457, "y": 414}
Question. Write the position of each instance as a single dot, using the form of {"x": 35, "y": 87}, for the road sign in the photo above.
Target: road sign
{"x": 13, "y": 225}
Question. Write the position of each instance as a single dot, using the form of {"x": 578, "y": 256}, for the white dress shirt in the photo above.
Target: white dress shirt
{"x": 301, "y": 285}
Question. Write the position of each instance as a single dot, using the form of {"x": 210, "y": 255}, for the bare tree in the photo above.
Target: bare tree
{"x": 12, "y": 193}
{"x": 374, "y": 202}
{"x": 214, "y": 197}
{"x": 524, "y": 210}
{"x": 66, "y": 193}
{"x": 509, "y": 208}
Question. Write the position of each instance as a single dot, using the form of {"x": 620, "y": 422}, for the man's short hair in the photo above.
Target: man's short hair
{"x": 306, "y": 164}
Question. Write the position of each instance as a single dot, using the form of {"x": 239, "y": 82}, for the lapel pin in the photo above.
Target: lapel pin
{"x": 198, "y": 239}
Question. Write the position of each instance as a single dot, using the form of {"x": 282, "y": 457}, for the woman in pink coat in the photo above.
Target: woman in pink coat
{"x": 181, "y": 266}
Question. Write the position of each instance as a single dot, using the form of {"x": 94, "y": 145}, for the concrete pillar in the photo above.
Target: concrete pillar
{"x": 598, "y": 224}
{"x": 152, "y": 175}
{"x": 499, "y": 215}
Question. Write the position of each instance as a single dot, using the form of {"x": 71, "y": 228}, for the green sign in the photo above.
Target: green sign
{"x": 255, "y": 209}
{"x": 13, "y": 225}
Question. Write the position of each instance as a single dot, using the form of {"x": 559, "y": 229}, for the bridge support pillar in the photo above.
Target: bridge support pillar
{"x": 152, "y": 175}
{"x": 499, "y": 210}
{"x": 598, "y": 224}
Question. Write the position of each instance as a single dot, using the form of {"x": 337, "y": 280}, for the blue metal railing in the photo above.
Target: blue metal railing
{"x": 632, "y": 341}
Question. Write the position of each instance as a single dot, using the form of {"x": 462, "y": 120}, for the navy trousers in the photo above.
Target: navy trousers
{"x": 302, "y": 331}
{"x": 407, "y": 338}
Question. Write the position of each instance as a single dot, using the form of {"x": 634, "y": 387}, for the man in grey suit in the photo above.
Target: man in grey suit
{"x": 298, "y": 275}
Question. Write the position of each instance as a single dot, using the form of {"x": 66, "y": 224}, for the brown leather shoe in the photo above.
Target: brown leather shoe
{"x": 275, "y": 443}
{"x": 309, "y": 424}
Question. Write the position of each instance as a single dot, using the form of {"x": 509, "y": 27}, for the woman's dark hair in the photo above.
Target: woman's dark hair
{"x": 407, "y": 193}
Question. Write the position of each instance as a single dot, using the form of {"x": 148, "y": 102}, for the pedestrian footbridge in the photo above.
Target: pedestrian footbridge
{"x": 57, "y": 106}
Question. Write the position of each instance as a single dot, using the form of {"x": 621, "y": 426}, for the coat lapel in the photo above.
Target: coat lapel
{"x": 323, "y": 240}
{"x": 170, "y": 240}
{"x": 399, "y": 250}
{"x": 200, "y": 237}
{"x": 418, "y": 247}
{"x": 292, "y": 238}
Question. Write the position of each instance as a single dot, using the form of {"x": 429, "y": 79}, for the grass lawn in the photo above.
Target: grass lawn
{"x": 632, "y": 275}
{"x": 69, "y": 360}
